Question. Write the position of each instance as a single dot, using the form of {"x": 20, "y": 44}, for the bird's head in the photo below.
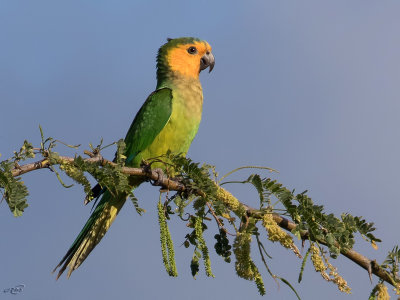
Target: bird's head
{"x": 184, "y": 57}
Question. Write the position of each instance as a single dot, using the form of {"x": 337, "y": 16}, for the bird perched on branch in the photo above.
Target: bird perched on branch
{"x": 167, "y": 121}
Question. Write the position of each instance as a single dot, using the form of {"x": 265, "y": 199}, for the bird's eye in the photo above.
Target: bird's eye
{"x": 192, "y": 50}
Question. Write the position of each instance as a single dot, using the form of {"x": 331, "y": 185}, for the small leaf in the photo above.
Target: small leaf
{"x": 374, "y": 245}
{"x": 289, "y": 285}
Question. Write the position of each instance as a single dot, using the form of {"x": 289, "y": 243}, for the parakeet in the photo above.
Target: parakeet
{"x": 167, "y": 121}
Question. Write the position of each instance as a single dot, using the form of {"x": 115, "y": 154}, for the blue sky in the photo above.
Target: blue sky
{"x": 309, "y": 88}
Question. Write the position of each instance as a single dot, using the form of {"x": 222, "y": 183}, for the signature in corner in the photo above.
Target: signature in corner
{"x": 15, "y": 290}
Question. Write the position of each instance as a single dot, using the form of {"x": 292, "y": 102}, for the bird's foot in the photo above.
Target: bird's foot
{"x": 161, "y": 177}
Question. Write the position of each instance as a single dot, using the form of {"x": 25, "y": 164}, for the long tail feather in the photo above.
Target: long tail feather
{"x": 93, "y": 231}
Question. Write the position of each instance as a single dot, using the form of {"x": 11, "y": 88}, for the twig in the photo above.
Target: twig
{"x": 264, "y": 261}
{"x": 154, "y": 175}
{"x": 217, "y": 219}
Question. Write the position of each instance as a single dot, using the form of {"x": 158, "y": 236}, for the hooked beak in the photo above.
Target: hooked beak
{"x": 207, "y": 61}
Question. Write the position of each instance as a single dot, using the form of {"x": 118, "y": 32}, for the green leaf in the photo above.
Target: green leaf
{"x": 289, "y": 285}
{"x": 14, "y": 190}
{"x": 303, "y": 264}
{"x": 135, "y": 202}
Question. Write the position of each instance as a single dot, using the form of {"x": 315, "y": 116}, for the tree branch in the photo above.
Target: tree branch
{"x": 371, "y": 266}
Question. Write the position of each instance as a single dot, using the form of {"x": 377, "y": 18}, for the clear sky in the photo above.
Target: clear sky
{"x": 310, "y": 88}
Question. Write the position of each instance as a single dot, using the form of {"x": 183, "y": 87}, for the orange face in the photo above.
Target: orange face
{"x": 186, "y": 59}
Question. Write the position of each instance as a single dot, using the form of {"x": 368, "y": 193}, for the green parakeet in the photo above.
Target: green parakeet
{"x": 167, "y": 121}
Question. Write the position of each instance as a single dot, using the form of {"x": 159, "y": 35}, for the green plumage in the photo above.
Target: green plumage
{"x": 167, "y": 121}
{"x": 148, "y": 123}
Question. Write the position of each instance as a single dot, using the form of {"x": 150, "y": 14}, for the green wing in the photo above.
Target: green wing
{"x": 148, "y": 123}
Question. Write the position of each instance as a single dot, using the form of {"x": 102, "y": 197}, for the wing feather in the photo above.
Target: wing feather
{"x": 148, "y": 123}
